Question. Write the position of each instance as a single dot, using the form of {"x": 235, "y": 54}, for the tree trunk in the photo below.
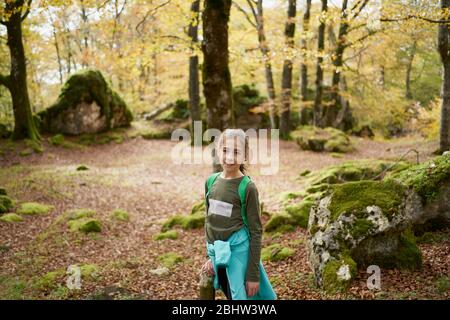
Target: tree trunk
{"x": 273, "y": 113}
{"x": 332, "y": 111}
{"x": 24, "y": 126}
{"x": 408, "y": 93}
{"x": 444, "y": 51}
{"x": 317, "y": 121}
{"x": 194, "y": 85}
{"x": 216, "y": 73}
{"x": 286, "y": 81}
{"x": 304, "y": 48}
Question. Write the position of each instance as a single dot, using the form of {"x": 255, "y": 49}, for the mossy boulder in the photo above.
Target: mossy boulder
{"x": 11, "y": 217}
{"x": 297, "y": 204}
{"x": 86, "y": 104}
{"x": 276, "y": 252}
{"x": 318, "y": 139}
{"x": 34, "y": 208}
{"x": 3, "y": 192}
{"x": 170, "y": 259}
{"x": 372, "y": 222}
{"x": 6, "y": 203}
{"x": 76, "y": 214}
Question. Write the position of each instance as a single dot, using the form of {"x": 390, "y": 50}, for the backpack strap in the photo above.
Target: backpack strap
{"x": 242, "y": 191}
{"x": 210, "y": 182}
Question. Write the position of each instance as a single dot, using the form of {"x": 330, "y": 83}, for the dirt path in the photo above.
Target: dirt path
{"x": 139, "y": 177}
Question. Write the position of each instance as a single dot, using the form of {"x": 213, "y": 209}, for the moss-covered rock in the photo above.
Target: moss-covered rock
{"x": 372, "y": 221}
{"x": 86, "y": 104}
{"x": 50, "y": 280}
{"x": 171, "y": 234}
{"x": 318, "y": 139}
{"x": 11, "y": 217}
{"x": 120, "y": 215}
{"x": 338, "y": 274}
{"x": 276, "y": 252}
{"x": 170, "y": 259}
{"x": 6, "y": 203}
{"x": 82, "y": 168}
{"x": 34, "y": 208}
{"x": 86, "y": 225}
{"x": 3, "y": 192}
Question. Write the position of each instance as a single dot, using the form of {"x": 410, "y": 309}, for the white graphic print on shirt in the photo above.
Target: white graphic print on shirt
{"x": 220, "y": 207}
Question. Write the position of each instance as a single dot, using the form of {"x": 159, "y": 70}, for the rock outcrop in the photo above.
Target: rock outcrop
{"x": 362, "y": 223}
{"x": 86, "y": 104}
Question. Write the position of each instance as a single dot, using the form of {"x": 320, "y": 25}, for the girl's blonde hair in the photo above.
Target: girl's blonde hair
{"x": 242, "y": 138}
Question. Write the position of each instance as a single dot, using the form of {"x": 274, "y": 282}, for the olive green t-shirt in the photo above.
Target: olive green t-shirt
{"x": 223, "y": 217}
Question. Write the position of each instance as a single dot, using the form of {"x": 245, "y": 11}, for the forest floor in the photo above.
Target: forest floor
{"x": 139, "y": 176}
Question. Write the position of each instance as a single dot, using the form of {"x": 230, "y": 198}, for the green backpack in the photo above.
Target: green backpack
{"x": 241, "y": 191}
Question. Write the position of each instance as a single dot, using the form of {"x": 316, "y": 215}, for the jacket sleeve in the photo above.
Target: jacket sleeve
{"x": 255, "y": 228}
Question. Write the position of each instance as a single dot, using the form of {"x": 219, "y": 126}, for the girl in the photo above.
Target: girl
{"x": 233, "y": 226}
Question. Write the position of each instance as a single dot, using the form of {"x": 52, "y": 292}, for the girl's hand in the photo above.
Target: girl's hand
{"x": 208, "y": 268}
{"x": 252, "y": 288}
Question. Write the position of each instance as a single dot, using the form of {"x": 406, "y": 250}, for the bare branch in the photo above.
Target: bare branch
{"x": 27, "y": 12}
{"x": 412, "y": 16}
{"x": 245, "y": 13}
{"x": 150, "y": 13}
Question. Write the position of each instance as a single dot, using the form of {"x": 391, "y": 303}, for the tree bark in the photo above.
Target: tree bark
{"x": 317, "y": 120}
{"x": 194, "y": 84}
{"x": 444, "y": 51}
{"x": 332, "y": 111}
{"x": 24, "y": 126}
{"x": 264, "y": 48}
{"x": 304, "y": 48}
{"x": 216, "y": 74}
{"x": 408, "y": 93}
{"x": 286, "y": 81}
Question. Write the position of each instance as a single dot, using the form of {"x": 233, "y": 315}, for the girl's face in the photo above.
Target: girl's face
{"x": 231, "y": 154}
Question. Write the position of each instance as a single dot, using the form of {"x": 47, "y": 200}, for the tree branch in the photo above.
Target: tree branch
{"x": 27, "y": 12}
{"x": 412, "y": 16}
{"x": 245, "y": 14}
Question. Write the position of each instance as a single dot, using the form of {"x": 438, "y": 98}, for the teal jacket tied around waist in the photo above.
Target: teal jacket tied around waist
{"x": 233, "y": 255}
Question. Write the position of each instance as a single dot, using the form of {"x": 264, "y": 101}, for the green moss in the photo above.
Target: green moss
{"x": 280, "y": 221}
{"x": 192, "y": 221}
{"x": 171, "y": 234}
{"x": 12, "y": 288}
{"x": 11, "y": 217}
{"x": 82, "y": 168}
{"x": 361, "y": 227}
{"x": 442, "y": 284}
{"x": 354, "y": 197}
{"x": 433, "y": 237}
{"x": 408, "y": 255}
{"x": 199, "y": 207}
{"x": 170, "y": 259}
{"x": 318, "y": 139}
{"x": 276, "y": 252}
{"x": 120, "y": 215}
{"x": 300, "y": 212}
{"x": 88, "y": 86}
{"x": 6, "y": 203}
{"x": 49, "y": 280}
{"x": 85, "y": 225}
{"x": 156, "y": 134}
{"x": 3, "y": 191}
{"x": 89, "y": 271}
{"x": 34, "y": 208}
{"x": 76, "y": 214}
{"x": 57, "y": 140}
{"x": 35, "y": 145}
{"x": 425, "y": 178}
{"x": 337, "y": 275}
{"x": 26, "y": 152}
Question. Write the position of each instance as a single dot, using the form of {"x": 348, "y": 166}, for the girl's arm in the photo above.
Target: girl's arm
{"x": 255, "y": 228}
